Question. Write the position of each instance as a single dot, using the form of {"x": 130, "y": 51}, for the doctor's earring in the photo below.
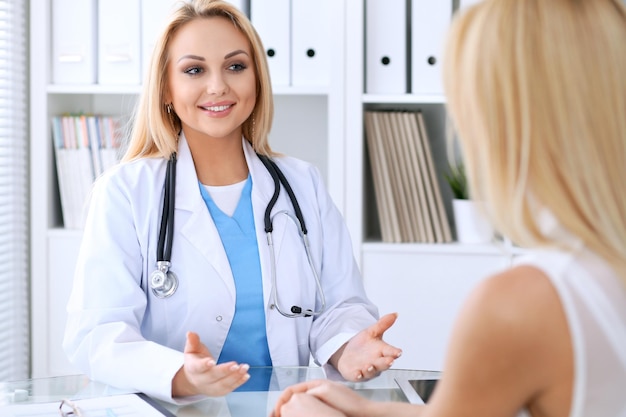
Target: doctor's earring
{"x": 170, "y": 115}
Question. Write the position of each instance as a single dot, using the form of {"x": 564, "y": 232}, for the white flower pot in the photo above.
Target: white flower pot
{"x": 471, "y": 224}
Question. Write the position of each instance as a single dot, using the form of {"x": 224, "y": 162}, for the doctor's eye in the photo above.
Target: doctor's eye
{"x": 238, "y": 67}
{"x": 193, "y": 70}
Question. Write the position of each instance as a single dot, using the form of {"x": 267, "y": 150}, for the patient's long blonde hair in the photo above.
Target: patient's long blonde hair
{"x": 537, "y": 92}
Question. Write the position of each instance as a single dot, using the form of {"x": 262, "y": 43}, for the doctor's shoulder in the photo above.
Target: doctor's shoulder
{"x": 299, "y": 171}
{"x": 308, "y": 185}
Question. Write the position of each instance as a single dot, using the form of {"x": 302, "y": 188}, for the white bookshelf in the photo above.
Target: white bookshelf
{"x": 309, "y": 124}
{"x": 425, "y": 283}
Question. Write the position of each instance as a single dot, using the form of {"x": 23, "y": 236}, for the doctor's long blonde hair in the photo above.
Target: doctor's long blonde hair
{"x": 537, "y": 91}
{"x": 154, "y": 130}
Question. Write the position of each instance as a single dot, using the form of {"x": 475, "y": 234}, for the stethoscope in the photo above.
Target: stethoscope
{"x": 164, "y": 282}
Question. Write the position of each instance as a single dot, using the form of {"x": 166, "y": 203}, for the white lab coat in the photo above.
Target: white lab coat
{"x": 119, "y": 333}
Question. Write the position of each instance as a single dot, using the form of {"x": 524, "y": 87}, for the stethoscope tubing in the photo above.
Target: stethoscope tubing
{"x": 164, "y": 282}
{"x": 280, "y": 177}
{"x": 296, "y": 311}
{"x": 164, "y": 252}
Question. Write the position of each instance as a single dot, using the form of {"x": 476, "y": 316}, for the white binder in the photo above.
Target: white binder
{"x": 119, "y": 32}
{"x": 429, "y": 24}
{"x": 154, "y": 15}
{"x": 272, "y": 19}
{"x": 74, "y": 42}
{"x": 386, "y": 47}
{"x": 310, "y": 48}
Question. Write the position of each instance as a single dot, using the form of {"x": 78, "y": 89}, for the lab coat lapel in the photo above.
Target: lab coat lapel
{"x": 197, "y": 224}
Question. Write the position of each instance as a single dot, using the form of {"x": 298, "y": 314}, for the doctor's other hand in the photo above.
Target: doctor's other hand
{"x": 320, "y": 398}
{"x": 366, "y": 354}
{"x": 200, "y": 374}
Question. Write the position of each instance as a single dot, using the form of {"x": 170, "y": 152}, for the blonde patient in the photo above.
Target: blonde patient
{"x": 537, "y": 93}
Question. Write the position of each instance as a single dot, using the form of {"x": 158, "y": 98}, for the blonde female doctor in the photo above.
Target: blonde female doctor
{"x": 176, "y": 290}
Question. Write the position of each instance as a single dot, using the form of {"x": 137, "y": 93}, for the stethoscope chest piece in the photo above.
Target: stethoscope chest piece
{"x": 163, "y": 281}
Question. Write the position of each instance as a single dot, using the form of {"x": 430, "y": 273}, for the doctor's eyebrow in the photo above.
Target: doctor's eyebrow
{"x": 196, "y": 57}
{"x": 199, "y": 58}
{"x": 237, "y": 52}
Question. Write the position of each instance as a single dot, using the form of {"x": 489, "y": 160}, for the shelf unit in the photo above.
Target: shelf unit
{"x": 425, "y": 283}
{"x": 309, "y": 124}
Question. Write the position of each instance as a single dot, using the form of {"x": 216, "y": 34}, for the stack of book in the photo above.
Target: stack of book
{"x": 85, "y": 146}
{"x": 408, "y": 197}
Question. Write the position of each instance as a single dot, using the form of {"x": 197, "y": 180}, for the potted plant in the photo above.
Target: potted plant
{"x": 469, "y": 220}
{"x": 458, "y": 182}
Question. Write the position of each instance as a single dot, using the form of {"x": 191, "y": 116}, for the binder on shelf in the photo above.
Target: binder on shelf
{"x": 86, "y": 165}
{"x": 272, "y": 19}
{"x": 62, "y": 167}
{"x": 73, "y": 165}
{"x": 415, "y": 156}
{"x": 93, "y": 134}
{"x": 438, "y": 213}
{"x": 386, "y": 52}
{"x": 408, "y": 165}
{"x": 83, "y": 150}
{"x": 389, "y": 227}
{"x": 119, "y": 32}
{"x": 311, "y": 43}
{"x": 413, "y": 200}
{"x": 429, "y": 24}
{"x": 154, "y": 14}
{"x": 407, "y": 192}
{"x": 398, "y": 175}
{"x": 430, "y": 213}
{"x": 110, "y": 141}
{"x": 74, "y": 46}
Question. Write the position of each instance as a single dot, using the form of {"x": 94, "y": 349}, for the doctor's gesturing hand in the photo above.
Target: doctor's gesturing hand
{"x": 200, "y": 373}
{"x": 366, "y": 354}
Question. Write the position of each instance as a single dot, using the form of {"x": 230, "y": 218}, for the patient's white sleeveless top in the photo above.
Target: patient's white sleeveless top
{"x": 594, "y": 300}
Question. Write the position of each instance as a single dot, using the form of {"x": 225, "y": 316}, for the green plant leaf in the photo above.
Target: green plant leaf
{"x": 458, "y": 182}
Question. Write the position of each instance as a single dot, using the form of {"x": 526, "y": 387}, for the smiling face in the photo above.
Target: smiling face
{"x": 211, "y": 79}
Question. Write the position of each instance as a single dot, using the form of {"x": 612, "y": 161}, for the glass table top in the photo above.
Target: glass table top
{"x": 254, "y": 401}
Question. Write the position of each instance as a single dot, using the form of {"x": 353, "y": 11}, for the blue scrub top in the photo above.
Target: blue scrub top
{"x": 247, "y": 338}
